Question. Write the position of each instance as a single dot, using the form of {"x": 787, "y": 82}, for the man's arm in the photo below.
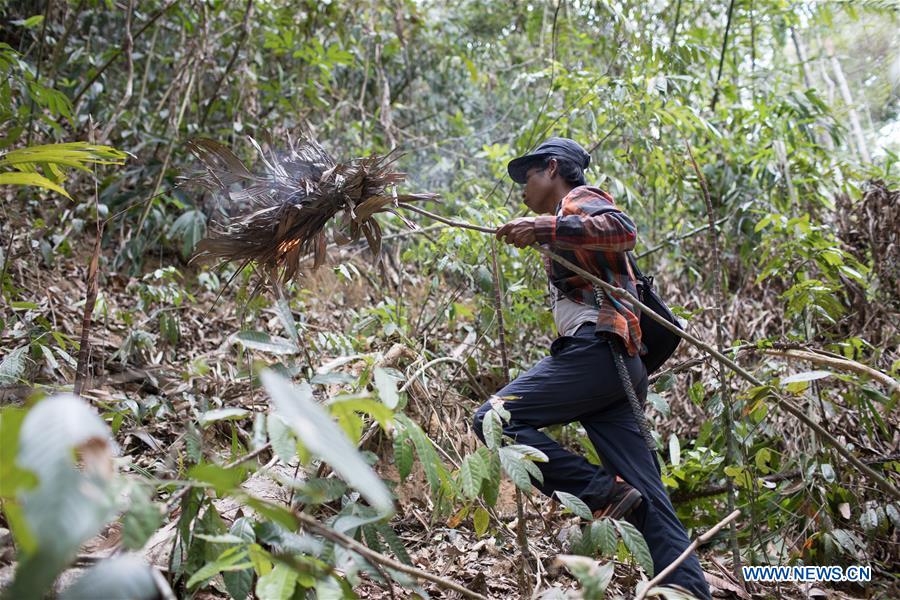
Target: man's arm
{"x": 610, "y": 231}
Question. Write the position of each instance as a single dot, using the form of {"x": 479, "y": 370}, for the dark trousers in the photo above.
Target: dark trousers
{"x": 579, "y": 382}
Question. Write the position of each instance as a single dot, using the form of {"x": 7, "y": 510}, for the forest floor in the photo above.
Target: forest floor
{"x": 163, "y": 383}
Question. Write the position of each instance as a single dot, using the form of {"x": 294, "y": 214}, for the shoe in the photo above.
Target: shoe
{"x": 622, "y": 501}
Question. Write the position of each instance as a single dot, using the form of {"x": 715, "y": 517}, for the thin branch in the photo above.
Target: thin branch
{"x": 677, "y": 238}
{"x": 128, "y": 47}
{"x": 245, "y": 31}
{"x": 722, "y": 54}
{"x": 371, "y": 555}
{"x": 687, "y": 552}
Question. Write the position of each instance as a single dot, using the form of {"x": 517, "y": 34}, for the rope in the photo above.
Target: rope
{"x": 618, "y": 350}
{"x": 633, "y": 400}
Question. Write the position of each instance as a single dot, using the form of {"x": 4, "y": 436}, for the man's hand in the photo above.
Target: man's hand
{"x": 518, "y": 232}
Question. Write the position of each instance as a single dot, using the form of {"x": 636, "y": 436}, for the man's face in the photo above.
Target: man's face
{"x": 538, "y": 187}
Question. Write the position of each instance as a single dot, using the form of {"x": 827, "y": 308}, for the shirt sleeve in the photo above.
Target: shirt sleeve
{"x": 612, "y": 231}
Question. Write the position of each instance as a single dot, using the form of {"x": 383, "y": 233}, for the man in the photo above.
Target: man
{"x": 579, "y": 380}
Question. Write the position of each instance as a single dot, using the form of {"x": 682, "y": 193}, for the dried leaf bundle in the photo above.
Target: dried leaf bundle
{"x": 281, "y": 211}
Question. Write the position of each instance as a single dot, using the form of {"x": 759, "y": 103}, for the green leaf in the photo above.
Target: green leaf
{"x": 394, "y": 542}
{"x": 674, "y": 450}
{"x": 32, "y": 179}
{"x": 493, "y": 429}
{"x": 481, "y": 519}
{"x": 636, "y": 544}
{"x": 232, "y": 559}
{"x": 575, "y": 504}
{"x": 376, "y": 410}
{"x": 278, "y": 584}
{"x": 71, "y": 154}
{"x": 70, "y": 504}
{"x": 282, "y": 438}
{"x": 403, "y": 454}
{"x": 490, "y": 488}
{"x": 471, "y": 474}
{"x": 259, "y": 340}
{"x": 514, "y": 465}
{"x": 428, "y": 457}
{"x": 321, "y": 436}
{"x": 13, "y": 366}
{"x": 222, "y": 414}
{"x": 604, "y": 534}
{"x": 219, "y": 477}
{"x": 593, "y": 576}
{"x": 387, "y": 388}
{"x": 12, "y": 478}
{"x": 141, "y": 520}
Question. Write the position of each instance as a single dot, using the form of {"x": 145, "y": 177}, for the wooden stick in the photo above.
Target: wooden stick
{"x": 687, "y": 551}
{"x": 371, "y": 555}
{"x": 840, "y": 363}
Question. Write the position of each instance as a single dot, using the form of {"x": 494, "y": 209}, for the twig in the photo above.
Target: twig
{"x": 843, "y": 364}
{"x": 371, "y": 555}
{"x": 84, "y": 346}
{"x": 677, "y": 238}
{"x": 128, "y": 48}
{"x": 687, "y": 552}
{"x": 746, "y": 375}
{"x": 722, "y": 55}
{"x": 245, "y": 30}
{"x": 168, "y": 157}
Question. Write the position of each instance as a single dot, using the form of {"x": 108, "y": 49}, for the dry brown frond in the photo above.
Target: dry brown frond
{"x": 280, "y": 212}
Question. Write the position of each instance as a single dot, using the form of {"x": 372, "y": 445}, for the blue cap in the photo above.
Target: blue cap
{"x": 555, "y": 146}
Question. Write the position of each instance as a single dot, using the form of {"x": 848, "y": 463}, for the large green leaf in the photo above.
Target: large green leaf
{"x": 71, "y": 154}
{"x": 69, "y": 505}
{"x": 322, "y": 436}
{"x": 471, "y": 474}
{"x": 122, "y": 577}
{"x": 431, "y": 463}
{"x": 575, "y": 504}
{"x": 33, "y": 179}
{"x": 636, "y": 544}
{"x": 277, "y": 584}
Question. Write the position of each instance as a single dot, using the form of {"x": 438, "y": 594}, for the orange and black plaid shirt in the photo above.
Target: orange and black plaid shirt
{"x": 597, "y": 244}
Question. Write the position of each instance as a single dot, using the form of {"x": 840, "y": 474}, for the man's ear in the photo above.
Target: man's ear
{"x": 552, "y": 168}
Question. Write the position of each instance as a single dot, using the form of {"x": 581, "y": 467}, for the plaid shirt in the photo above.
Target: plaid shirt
{"x": 598, "y": 245}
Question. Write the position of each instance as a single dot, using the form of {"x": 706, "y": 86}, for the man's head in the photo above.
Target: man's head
{"x": 550, "y": 172}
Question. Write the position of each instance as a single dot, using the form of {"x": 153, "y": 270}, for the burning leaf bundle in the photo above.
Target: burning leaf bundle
{"x": 280, "y": 212}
